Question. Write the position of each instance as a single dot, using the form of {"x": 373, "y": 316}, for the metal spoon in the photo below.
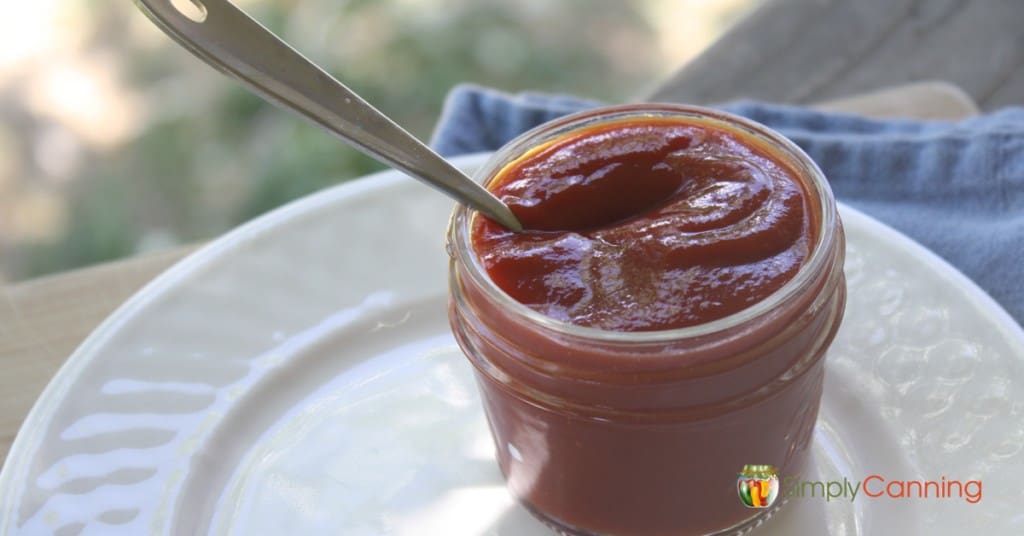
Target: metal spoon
{"x": 232, "y": 42}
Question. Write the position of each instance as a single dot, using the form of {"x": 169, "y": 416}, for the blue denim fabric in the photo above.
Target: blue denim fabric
{"x": 955, "y": 187}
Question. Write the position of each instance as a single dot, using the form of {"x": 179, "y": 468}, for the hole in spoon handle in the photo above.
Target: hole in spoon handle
{"x": 193, "y": 10}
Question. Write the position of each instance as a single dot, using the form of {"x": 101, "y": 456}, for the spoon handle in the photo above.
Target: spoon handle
{"x": 232, "y": 42}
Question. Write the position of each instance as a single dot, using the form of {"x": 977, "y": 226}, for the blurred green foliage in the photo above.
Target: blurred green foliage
{"x": 209, "y": 155}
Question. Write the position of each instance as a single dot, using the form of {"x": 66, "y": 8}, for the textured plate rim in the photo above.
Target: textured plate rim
{"x": 27, "y": 437}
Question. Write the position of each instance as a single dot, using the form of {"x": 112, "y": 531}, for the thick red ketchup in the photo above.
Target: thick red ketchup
{"x": 660, "y": 325}
{"x": 646, "y": 224}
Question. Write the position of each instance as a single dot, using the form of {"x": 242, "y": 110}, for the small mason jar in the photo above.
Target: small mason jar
{"x": 606, "y": 432}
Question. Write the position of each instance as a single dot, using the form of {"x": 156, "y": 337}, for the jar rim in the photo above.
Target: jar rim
{"x": 459, "y": 227}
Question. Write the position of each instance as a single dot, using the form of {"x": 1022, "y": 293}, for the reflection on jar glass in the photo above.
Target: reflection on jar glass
{"x": 605, "y": 431}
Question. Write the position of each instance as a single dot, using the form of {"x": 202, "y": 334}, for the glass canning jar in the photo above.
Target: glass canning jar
{"x": 605, "y": 432}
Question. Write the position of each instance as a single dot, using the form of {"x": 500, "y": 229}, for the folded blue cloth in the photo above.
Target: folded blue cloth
{"x": 956, "y": 187}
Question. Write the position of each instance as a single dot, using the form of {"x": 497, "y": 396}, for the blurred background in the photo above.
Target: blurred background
{"x": 114, "y": 141}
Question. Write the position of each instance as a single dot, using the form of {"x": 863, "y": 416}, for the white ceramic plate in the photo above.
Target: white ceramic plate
{"x": 297, "y": 377}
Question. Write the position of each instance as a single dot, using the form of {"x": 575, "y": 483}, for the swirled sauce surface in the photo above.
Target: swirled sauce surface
{"x": 646, "y": 224}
